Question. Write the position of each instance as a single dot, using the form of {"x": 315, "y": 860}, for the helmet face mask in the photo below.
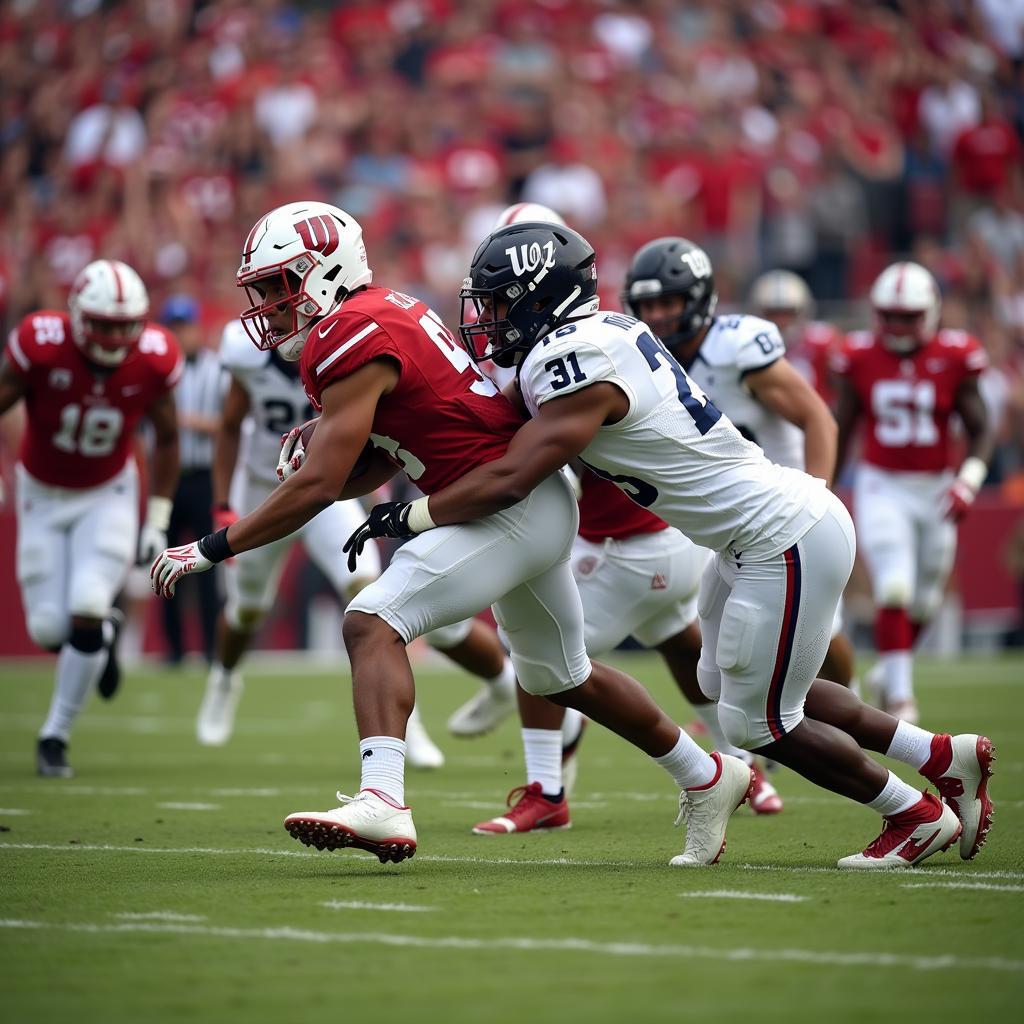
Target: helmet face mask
{"x": 303, "y": 260}
{"x": 525, "y": 279}
{"x": 673, "y": 267}
{"x": 108, "y": 306}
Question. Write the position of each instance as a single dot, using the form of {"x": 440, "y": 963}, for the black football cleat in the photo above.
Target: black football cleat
{"x": 51, "y": 759}
{"x": 110, "y": 680}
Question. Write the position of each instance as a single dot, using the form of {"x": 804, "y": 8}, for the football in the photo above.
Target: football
{"x": 307, "y": 434}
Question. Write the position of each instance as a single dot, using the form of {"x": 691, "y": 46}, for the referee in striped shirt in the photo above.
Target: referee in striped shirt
{"x": 199, "y": 395}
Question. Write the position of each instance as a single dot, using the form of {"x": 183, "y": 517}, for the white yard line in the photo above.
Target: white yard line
{"x": 14, "y": 811}
{"x": 736, "y": 894}
{"x": 964, "y": 885}
{"x": 817, "y": 957}
{"x": 526, "y": 862}
{"x": 405, "y": 908}
{"x": 175, "y": 805}
{"x": 161, "y": 915}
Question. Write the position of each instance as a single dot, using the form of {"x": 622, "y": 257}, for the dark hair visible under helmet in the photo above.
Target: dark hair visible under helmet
{"x": 673, "y": 266}
{"x": 543, "y": 272}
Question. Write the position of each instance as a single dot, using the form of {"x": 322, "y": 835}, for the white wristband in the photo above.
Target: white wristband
{"x": 419, "y": 519}
{"x": 973, "y": 473}
{"x": 158, "y": 513}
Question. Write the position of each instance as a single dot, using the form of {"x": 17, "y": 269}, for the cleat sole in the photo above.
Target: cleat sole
{"x": 329, "y": 836}
{"x": 986, "y": 756}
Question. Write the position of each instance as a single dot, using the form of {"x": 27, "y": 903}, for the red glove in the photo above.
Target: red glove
{"x": 223, "y": 515}
{"x": 959, "y": 499}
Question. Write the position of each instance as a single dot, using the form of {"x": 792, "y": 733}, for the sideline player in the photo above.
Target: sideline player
{"x": 88, "y": 377}
{"x": 600, "y": 387}
{"x": 383, "y": 367}
{"x": 904, "y": 380}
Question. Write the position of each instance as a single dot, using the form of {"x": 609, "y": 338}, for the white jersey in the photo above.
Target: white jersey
{"x": 277, "y": 401}
{"x": 733, "y": 347}
{"x": 674, "y": 452}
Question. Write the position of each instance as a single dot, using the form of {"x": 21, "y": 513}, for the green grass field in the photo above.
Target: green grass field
{"x": 159, "y": 885}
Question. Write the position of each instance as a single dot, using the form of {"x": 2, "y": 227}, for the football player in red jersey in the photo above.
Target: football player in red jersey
{"x": 903, "y": 382}
{"x": 87, "y": 377}
{"x": 381, "y": 366}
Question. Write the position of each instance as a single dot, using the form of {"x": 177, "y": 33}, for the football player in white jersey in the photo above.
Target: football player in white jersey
{"x": 266, "y": 399}
{"x": 740, "y": 362}
{"x": 599, "y": 386}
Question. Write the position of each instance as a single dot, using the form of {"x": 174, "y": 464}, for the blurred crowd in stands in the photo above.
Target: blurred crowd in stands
{"x": 817, "y": 135}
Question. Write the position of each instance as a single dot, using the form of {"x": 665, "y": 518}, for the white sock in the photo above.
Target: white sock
{"x": 542, "y": 749}
{"x": 572, "y": 726}
{"x": 77, "y": 675}
{"x": 108, "y": 633}
{"x": 911, "y": 745}
{"x": 896, "y": 797}
{"x": 898, "y": 676}
{"x": 688, "y": 764}
{"x": 382, "y": 766}
{"x": 708, "y": 714}
{"x": 505, "y": 680}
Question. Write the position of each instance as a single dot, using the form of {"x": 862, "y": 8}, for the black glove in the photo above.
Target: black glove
{"x": 388, "y": 519}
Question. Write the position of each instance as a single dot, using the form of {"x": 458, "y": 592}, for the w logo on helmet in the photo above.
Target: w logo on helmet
{"x": 532, "y": 256}
{"x": 319, "y": 233}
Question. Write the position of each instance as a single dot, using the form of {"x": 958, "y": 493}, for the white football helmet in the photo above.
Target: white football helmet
{"x": 519, "y": 212}
{"x": 315, "y": 253}
{"x": 781, "y": 291}
{"x": 108, "y": 304}
{"x": 905, "y": 299}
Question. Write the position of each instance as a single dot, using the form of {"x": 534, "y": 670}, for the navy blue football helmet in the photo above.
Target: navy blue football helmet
{"x": 525, "y": 280}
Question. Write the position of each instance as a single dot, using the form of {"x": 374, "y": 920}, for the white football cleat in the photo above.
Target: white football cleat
{"x": 908, "y": 838}
{"x": 707, "y": 809}
{"x": 367, "y": 821}
{"x": 960, "y": 767}
{"x": 486, "y": 710}
{"x": 216, "y": 719}
{"x": 420, "y": 750}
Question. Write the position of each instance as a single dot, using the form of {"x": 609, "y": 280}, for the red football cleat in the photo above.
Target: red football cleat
{"x": 764, "y": 799}
{"x": 908, "y": 838}
{"x": 960, "y": 767}
{"x": 532, "y": 811}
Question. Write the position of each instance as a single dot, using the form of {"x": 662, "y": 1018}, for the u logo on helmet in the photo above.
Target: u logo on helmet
{"x": 531, "y": 256}
{"x": 319, "y": 233}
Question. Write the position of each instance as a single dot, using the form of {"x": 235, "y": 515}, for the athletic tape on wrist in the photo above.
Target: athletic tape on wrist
{"x": 973, "y": 473}
{"x": 418, "y": 519}
{"x": 158, "y": 513}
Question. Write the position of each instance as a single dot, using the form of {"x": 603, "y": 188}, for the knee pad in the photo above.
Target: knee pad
{"x": 894, "y": 592}
{"x": 48, "y": 626}
{"x": 87, "y": 639}
{"x": 542, "y": 681}
{"x": 736, "y": 727}
{"x": 444, "y": 638}
{"x": 709, "y": 679}
{"x": 243, "y": 620}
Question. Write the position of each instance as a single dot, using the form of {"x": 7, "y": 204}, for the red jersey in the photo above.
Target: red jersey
{"x": 443, "y": 417}
{"x": 811, "y": 353}
{"x": 907, "y": 400}
{"x": 605, "y": 511}
{"x": 81, "y": 417}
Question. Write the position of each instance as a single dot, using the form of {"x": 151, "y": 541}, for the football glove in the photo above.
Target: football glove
{"x": 174, "y": 563}
{"x": 292, "y": 453}
{"x": 388, "y": 519}
{"x": 958, "y": 501}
